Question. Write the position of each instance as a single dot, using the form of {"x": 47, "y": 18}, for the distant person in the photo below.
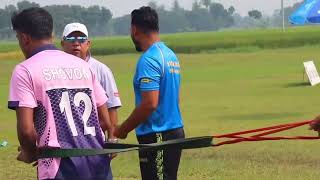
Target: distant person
{"x": 75, "y": 41}
{"x": 316, "y": 125}
{"x": 58, "y": 102}
{"x": 156, "y": 117}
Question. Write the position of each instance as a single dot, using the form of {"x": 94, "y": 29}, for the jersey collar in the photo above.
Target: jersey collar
{"x": 43, "y": 48}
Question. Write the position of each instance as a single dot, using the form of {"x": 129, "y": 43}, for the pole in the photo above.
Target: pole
{"x": 282, "y": 10}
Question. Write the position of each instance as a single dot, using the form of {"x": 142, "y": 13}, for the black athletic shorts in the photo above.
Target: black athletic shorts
{"x": 161, "y": 164}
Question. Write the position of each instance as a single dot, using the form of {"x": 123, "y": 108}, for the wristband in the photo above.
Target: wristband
{"x": 113, "y": 140}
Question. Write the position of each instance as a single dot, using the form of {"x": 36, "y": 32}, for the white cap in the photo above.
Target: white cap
{"x": 73, "y": 27}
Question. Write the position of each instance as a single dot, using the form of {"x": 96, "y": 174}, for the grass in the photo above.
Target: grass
{"x": 227, "y": 41}
{"x": 221, "y": 93}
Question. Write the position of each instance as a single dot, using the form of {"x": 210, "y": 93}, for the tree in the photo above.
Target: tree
{"x": 5, "y": 16}
{"x": 222, "y": 17}
{"x": 255, "y": 14}
{"x": 121, "y": 25}
{"x": 277, "y": 15}
{"x": 231, "y": 10}
{"x": 200, "y": 19}
{"x": 26, "y": 4}
{"x": 176, "y": 6}
{"x": 206, "y": 3}
{"x": 94, "y": 17}
{"x": 10, "y": 8}
{"x": 205, "y": 15}
{"x": 217, "y": 10}
{"x": 153, "y": 4}
{"x": 195, "y": 5}
{"x": 5, "y": 22}
{"x": 173, "y": 21}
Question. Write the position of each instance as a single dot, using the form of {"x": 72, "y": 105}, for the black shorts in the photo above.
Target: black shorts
{"x": 161, "y": 164}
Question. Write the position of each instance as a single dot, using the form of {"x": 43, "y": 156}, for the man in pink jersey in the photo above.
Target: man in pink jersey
{"x": 58, "y": 102}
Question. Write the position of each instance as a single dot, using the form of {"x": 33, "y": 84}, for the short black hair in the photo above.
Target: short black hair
{"x": 35, "y": 21}
{"x": 145, "y": 18}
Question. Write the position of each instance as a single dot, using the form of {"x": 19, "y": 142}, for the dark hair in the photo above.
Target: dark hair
{"x": 35, "y": 21}
{"x": 145, "y": 18}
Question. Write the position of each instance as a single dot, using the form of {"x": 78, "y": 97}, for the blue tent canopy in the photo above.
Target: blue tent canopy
{"x": 308, "y": 12}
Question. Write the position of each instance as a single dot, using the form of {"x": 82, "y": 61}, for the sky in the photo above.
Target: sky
{"x": 121, "y": 7}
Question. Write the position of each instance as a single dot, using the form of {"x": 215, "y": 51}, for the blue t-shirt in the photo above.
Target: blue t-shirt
{"x": 158, "y": 69}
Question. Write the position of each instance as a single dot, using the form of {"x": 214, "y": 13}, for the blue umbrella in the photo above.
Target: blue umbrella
{"x": 308, "y": 12}
{"x": 314, "y": 13}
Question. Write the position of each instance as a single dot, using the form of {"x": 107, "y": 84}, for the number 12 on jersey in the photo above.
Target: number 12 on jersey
{"x": 65, "y": 108}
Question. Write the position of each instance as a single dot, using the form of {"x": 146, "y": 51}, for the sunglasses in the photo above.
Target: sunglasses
{"x": 73, "y": 39}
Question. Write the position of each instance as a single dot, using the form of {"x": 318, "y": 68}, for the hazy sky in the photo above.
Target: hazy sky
{"x": 120, "y": 7}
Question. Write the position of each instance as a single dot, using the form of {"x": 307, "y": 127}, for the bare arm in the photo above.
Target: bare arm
{"x": 104, "y": 120}
{"x": 113, "y": 113}
{"x": 140, "y": 114}
{"x": 26, "y": 134}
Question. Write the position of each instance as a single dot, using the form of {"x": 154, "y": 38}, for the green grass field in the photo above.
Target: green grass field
{"x": 235, "y": 41}
{"x": 221, "y": 93}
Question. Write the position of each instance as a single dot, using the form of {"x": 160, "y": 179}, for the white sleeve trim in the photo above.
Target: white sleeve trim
{"x": 162, "y": 57}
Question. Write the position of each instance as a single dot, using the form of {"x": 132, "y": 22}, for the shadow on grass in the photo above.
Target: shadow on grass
{"x": 297, "y": 84}
{"x": 260, "y": 116}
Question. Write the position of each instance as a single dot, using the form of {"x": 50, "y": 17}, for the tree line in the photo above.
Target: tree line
{"x": 205, "y": 15}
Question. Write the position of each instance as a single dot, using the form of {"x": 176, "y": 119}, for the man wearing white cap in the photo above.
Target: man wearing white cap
{"x": 75, "y": 41}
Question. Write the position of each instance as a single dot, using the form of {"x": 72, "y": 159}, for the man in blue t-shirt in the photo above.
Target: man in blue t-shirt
{"x": 156, "y": 83}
